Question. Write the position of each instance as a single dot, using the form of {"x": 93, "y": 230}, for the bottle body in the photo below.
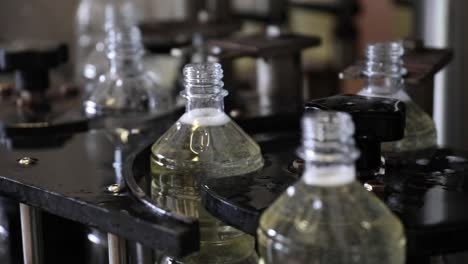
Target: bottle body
{"x": 127, "y": 88}
{"x": 385, "y": 71}
{"x": 120, "y": 94}
{"x": 339, "y": 225}
{"x": 204, "y": 143}
{"x": 420, "y": 131}
{"x": 327, "y": 216}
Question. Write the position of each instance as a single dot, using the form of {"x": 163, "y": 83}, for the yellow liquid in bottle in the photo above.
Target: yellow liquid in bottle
{"x": 205, "y": 144}
{"x": 330, "y": 225}
{"x": 420, "y": 131}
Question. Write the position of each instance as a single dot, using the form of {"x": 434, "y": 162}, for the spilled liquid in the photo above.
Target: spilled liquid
{"x": 425, "y": 188}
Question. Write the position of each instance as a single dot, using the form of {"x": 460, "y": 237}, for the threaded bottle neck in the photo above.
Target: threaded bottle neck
{"x": 327, "y": 137}
{"x": 204, "y": 86}
{"x": 328, "y": 148}
{"x": 203, "y": 79}
{"x": 125, "y": 50}
{"x": 385, "y": 59}
{"x": 384, "y": 69}
{"x": 123, "y": 38}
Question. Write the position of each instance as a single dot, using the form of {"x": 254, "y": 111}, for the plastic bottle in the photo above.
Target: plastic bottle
{"x": 327, "y": 216}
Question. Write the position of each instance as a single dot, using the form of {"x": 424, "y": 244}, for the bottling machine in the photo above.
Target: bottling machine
{"x": 77, "y": 187}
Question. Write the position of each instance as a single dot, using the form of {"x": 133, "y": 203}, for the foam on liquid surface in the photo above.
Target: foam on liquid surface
{"x": 327, "y": 177}
{"x": 205, "y": 117}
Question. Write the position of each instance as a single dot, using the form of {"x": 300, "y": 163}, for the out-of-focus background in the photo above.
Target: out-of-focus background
{"x": 382, "y": 20}
{"x": 438, "y": 22}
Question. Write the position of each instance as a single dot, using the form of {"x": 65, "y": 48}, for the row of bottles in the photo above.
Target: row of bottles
{"x": 327, "y": 216}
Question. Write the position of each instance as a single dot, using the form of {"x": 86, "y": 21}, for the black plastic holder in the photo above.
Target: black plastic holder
{"x": 427, "y": 190}
{"x": 80, "y": 177}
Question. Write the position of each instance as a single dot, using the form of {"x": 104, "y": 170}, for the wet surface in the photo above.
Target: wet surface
{"x": 71, "y": 177}
{"x": 61, "y": 116}
{"x": 376, "y": 120}
{"x": 427, "y": 190}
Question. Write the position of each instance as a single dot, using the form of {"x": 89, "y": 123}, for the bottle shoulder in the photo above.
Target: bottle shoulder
{"x": 213, "y": 141}
{"x": 399, "y": 94}
{"x": 135, "y": 85}
{"x": 307, "y": 212}
{"x": 138, "y": 94}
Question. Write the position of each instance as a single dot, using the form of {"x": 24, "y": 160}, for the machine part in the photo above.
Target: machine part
{"x": 417, "y": 189}
{"x": 279, "y": 69}
{"x": 52, "y": 185}
{"x": 218, "y": 11}
{"x": 441, "y": 24}
{"x": 33, "y": 106}
{"x": 117, "y": 249}
{"x": 335, "y": 6}
{"x": 32, "y": 63}
{"x": 31, "y": 234}
{"x": 139, "y": 254}
{"x": 422, "y": 64}
{"x": 376, "y": 120}
{"x": 268, "y": 11}
{"x": 96, "y": 249}
{"x": 179, "y": 10}
{"x": 161, "y": 37}
{"x": 114, "y": 188}
{"x": 261, "y": 45}
{"x": 27, "y": 161}
{"x": 279, "y": 83}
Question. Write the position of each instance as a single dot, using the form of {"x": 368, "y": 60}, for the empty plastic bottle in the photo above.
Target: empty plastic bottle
{"x": 90, "y": 34}
{"x": 126, "y": 87}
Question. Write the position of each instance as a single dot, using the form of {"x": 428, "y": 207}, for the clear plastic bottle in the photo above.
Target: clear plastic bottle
{"x": 328, "y": 217}
{"x": 204, "y": 143}
{"x": 92, "y": 21}
{"x": 384, "y": 71}
{"x": 127, "y": 87}
{"x": 90, "y": 34}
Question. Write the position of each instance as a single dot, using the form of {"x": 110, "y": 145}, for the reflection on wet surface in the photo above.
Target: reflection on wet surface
{"x": 426, "y": 190}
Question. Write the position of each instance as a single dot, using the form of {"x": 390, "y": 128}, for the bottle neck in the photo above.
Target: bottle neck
{"x": 383, "y": 85}
{"x": 125, "y": 51}
{"x": 328, "y": 149}
{"x": 204, "y": 86}
{"x": 328, "y": 175}
{"x": 384, "y": 69}
{"x": 199, "y": 102}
